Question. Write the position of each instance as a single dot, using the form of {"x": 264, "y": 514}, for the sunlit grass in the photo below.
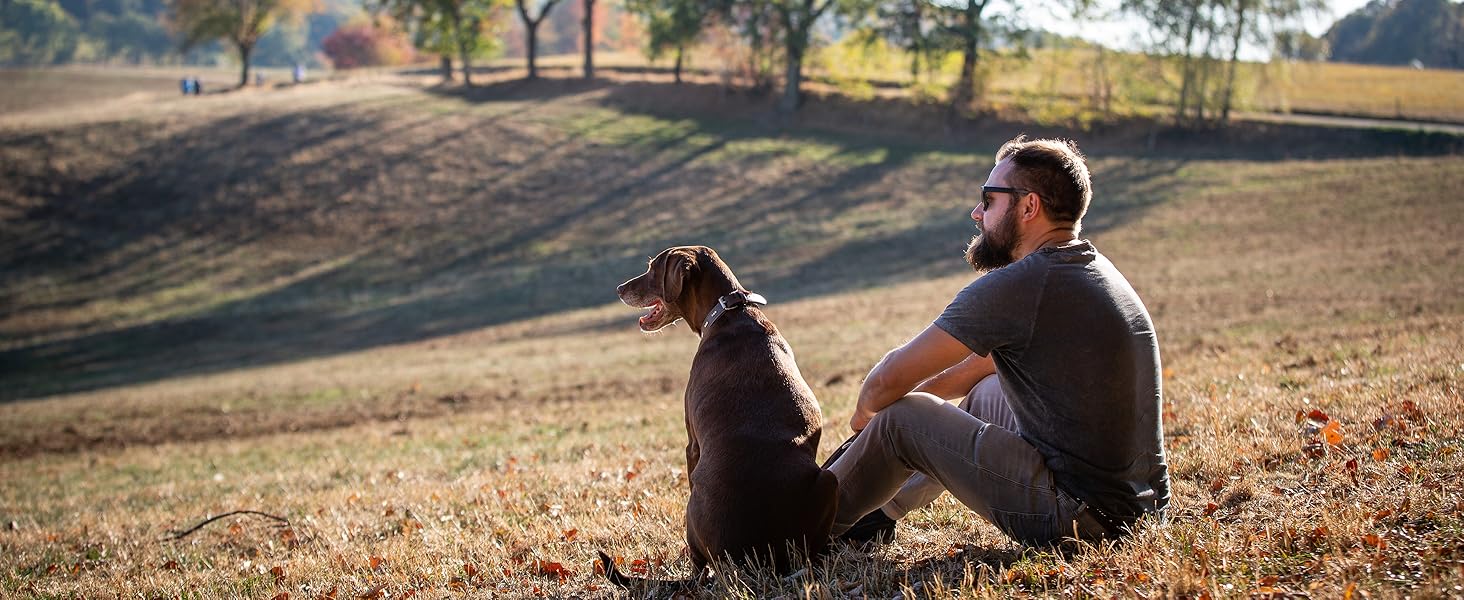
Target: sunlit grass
{"x": 472, "y": 462}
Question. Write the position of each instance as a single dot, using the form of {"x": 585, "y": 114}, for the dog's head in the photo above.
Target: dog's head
{"x": 662, "y": 287}
{"x": 682, "y": 282}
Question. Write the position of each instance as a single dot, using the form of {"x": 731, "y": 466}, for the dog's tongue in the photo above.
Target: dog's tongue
{"x": 652, "y": 314}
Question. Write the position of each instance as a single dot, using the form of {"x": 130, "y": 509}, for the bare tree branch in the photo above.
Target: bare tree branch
{"x": 178, "y": 535}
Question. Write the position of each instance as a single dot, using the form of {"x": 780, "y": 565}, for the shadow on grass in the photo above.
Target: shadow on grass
{"x": 133, "y": 253}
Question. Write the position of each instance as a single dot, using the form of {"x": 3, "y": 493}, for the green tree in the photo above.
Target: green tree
{"x": 464, "y": 27}
{"x": 34, "y": 32}
{"x": 240, "y": 22}
{"x": 671, "y": 25}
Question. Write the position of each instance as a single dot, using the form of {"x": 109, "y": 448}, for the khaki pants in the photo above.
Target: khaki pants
{"x": 922, "y": 445}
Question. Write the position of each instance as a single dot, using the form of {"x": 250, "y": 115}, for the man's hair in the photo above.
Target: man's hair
{"x": 1055, "y": 169}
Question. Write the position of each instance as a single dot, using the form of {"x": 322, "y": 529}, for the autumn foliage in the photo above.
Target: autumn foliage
{"x": 365, "y": 45}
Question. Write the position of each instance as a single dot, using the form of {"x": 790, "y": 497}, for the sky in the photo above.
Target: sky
{"x": 1124, "y": 32}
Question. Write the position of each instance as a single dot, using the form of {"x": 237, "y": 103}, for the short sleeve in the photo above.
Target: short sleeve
{"x": 996, "y": 311}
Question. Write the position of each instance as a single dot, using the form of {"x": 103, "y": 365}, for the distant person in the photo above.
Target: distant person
{"x": 299, "y": 73}
{"x": 259, "y": 80}
{"x": 1054, "y": 362}
{"x": 197, "y": 86}
{"x": 187, "y": 85}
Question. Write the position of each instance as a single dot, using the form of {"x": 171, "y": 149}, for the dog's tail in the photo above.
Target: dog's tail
{"x": 612, "y": 573}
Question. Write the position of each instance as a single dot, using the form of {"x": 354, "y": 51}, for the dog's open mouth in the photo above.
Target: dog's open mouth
{"x": 649, "y": 320}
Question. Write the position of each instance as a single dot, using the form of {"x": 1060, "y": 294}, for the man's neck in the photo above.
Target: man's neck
{"x": 1058, "y": 235}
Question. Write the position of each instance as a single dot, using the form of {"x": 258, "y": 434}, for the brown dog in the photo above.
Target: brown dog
{"x": 752, "y": 423}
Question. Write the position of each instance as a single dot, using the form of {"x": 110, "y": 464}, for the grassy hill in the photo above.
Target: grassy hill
{"x": 385, "y": 311}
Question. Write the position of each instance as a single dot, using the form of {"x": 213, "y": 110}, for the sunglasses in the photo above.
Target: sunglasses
{"x": 996, "y": 189}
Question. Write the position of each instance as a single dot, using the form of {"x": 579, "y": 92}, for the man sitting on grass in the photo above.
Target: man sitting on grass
{"x": 1065, "y": 439}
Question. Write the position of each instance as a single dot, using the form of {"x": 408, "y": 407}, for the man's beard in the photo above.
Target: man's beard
{"x": 994, "y": 247}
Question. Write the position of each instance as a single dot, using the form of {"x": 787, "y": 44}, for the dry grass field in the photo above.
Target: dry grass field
{"x": 1064, "y": 77}
{"x": 384, "y": 311}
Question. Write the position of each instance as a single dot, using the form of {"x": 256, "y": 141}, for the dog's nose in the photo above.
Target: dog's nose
{"x": 620, "y": 289}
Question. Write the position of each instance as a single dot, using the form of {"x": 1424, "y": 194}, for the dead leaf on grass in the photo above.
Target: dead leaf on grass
{"x": 1332, "y": 432}
{"x": 554, "y": 569}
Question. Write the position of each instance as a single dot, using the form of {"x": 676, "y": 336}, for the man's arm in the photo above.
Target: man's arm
{"x": 954, "y": 383}
{"x": 931, "y": 352}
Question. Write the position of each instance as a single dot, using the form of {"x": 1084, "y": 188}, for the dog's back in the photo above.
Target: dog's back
{"x": 757, "y": 488}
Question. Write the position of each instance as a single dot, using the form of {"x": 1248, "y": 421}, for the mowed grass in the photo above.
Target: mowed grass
{"x": 387, "y": 315}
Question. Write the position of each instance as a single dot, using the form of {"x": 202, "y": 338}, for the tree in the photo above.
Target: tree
{"x": 672, "y": 25}
{"x": 363, "y": 45}
{"x": 531, "y": 30}
{"x": 589, "y": 39}
{"x": 1400, "y": 32}
{"x": 447, "y": 26}
{"x": 240, "y": 22}
{"x": 34, "y": 32}
{"x": 797, "y": 18}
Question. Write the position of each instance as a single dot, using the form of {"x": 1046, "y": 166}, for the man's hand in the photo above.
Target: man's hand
{"x": 861, "y": 419}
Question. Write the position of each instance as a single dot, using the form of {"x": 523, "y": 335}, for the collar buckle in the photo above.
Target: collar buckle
{"x": 736, "y": 299}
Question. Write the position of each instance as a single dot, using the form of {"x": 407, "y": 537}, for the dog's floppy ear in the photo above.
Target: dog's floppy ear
{"x": 674, "y": 272}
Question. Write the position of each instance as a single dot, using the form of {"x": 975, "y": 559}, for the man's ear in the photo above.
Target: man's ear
{"x": 674, "y": 273}
{"x": 1031, "y": 206}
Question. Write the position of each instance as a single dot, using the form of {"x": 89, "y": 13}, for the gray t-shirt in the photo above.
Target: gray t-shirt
{"x": 1079, "y": 362}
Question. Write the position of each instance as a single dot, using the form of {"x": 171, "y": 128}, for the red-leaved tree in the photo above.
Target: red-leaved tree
{"x": 364, "y": 45}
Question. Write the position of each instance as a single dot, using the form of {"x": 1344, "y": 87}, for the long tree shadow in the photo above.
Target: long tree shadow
{"x": 272, "y": 237}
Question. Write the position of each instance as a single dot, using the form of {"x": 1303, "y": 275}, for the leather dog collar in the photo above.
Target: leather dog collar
{"x": 734, "y": 300}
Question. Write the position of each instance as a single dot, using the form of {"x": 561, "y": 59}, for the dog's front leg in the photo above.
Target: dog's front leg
{"x": 693, "y": 452}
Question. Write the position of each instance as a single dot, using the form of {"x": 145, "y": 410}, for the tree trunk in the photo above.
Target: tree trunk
{"x": 1188, "y": 72}
{"x": 446, "y": 68}
{"x": 467, "y": 60}
{"x": 793, "y": 77}
{"x": 462, "y": 44}
{"x": 589, "y": 39}
{"x": 680, "y": 53}
{"x": 966, "y": 86}
{"x": 1234, "y": 59}
{"x": 533, "y": 33}
{"x": 244, "y": 51}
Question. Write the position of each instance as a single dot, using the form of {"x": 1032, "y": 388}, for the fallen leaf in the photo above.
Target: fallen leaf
{"x": 1381, "y": 454}
{"x": 1332, "y": 432}
{"x": 328, "y": 595}
{"x": 373, "y": 593}
{"x": 554, "y": 569}
{"x": 1373, "y": 540}
{"x": 278, "y": 572}
{"x": 281, "y": 596}
{"x": 1351, "y": 589}
{"x": 376, "y": 562}
{"x": 1318, "y": 416}
{"x": 570, "y": 533}
{"x": 639, "y": 566}
{"x": 171, "y": 565}
{"x": 1211, "y": 508}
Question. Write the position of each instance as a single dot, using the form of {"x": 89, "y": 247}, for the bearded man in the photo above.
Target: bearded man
{"x": 1035, "y": 396}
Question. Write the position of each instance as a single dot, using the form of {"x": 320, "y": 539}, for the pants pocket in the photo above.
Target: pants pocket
{"x": 1027, "y": 528}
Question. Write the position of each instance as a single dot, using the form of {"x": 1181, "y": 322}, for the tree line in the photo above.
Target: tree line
{"x": 1199, "y": 42}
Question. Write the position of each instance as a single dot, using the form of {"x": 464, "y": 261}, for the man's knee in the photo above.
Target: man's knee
{"x": 915, "y": 407}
